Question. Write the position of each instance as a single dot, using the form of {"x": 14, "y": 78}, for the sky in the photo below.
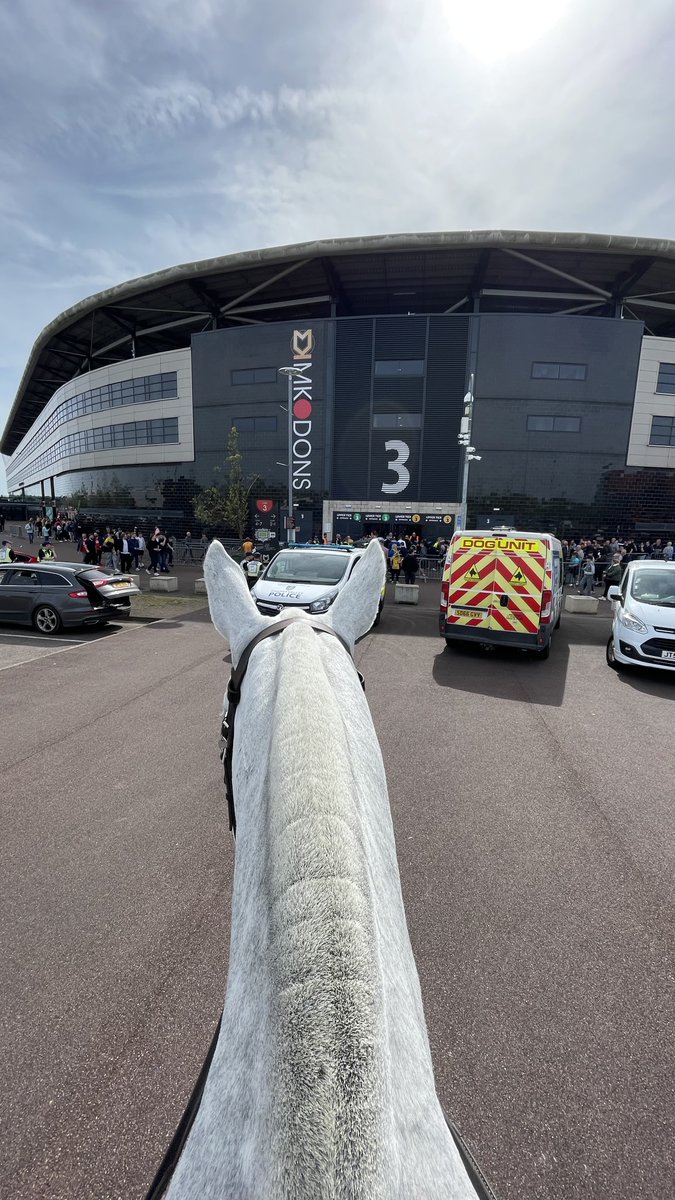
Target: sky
{"x": 137, "y": 134}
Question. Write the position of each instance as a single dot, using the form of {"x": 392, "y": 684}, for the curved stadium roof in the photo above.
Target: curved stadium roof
{"x": 491, "y": 271}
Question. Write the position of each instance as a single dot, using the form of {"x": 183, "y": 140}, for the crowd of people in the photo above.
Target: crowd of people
{"x": 591, "y": 563}
{"x": 125, "y": 550}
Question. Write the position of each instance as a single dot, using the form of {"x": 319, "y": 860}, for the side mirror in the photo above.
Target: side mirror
{"x": 614, "y": 593}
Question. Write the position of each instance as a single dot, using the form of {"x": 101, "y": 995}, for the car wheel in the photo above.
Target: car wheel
{"x": 452, "y": 643}
{"x": 557, "y": 624}
{"x": 46, "y": 619}
{"x": 609, "y": 654}
{"x": 543, "y": 654}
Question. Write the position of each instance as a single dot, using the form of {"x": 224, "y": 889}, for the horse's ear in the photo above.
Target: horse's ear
{"x": 233, "y": 612}
{"x": 356, "y": 606}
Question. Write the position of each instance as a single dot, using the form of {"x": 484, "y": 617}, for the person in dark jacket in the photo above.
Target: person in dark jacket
{"x": 410, "y": 566}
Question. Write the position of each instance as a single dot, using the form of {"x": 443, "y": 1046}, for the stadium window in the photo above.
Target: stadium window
{"x": 554, "y": 424}
{"x": 254, "y": 375}
{"x": 393, "y": 368}
{"x": 662, "y": 431}
{"x": 666, "y": 380}
{"x": 255, "y": 424}
{"x": 558, "y": 370}
{"x": 397, "y": 421}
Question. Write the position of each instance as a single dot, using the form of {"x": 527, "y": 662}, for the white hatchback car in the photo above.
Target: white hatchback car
{"x": 643, "y": 633}
{"x": 307, "y": 577}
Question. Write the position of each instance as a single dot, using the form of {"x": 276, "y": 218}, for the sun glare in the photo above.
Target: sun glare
{"x": 493, "y": 29}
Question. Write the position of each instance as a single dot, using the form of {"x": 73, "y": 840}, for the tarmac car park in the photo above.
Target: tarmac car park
{"x": 56, "y": 595}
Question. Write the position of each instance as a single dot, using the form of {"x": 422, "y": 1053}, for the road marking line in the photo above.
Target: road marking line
{"x": 36, "y": 637}
{"x": 22, "y": 661}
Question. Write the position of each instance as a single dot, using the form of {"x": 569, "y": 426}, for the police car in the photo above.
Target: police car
{"x": 308, "y": 577}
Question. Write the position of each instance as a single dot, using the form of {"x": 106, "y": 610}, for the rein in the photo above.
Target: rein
{"x": 234, "y": 696}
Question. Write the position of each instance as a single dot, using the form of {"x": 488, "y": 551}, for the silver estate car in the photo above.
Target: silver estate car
{"x": 53, "y": 596}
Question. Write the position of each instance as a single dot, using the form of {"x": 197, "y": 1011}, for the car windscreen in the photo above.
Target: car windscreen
{"x": 654, "y": 587}
{"x": 307, "y": 566}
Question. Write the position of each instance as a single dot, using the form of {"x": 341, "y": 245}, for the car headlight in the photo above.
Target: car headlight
{"x": 320, "y": 606}
{"x": 632, "y": 623}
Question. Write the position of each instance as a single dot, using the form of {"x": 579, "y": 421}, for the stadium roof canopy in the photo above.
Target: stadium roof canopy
{"x": 493, "y": 271}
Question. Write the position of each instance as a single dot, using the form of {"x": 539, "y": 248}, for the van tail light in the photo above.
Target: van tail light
{"x": 546, "y": 606}
{"x": 78, "y": 595}
{"x": 445, "y": 592}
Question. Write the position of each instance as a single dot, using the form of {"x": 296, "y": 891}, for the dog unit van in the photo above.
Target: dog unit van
{"x": 502, "y": 589}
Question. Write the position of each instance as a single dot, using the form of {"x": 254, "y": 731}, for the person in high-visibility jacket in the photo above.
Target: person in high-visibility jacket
{"x": 6, "y": 553}
{"x": 46, "y": 553}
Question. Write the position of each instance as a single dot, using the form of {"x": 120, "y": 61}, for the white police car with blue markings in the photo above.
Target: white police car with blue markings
{"x": 306, "y": 576}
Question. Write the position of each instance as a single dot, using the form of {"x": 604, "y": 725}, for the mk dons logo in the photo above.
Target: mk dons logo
{"x": 302, "y": 343}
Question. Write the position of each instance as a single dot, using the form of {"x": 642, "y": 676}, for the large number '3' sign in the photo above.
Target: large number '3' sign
{"x": 402, "y": 452}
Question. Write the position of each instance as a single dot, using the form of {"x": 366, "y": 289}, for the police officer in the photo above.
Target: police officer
{"x": 6, "y": 553}
{"x": 46, "y": 553}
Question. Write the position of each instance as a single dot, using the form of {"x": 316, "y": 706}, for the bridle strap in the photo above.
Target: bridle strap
{"x": 234, "y": 695}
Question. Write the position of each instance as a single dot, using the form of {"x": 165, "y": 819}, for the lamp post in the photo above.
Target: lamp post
{"x": 464, "y": 438}
{"x": 290, "y": 373}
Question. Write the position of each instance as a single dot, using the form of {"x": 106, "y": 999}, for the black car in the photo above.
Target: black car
{"x": 51, "y": 595}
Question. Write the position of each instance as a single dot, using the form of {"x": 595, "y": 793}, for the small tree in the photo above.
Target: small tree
{"x": 238, "y": 488}
{"x": 229, "y": 508}
{"x": 210, "y": 507}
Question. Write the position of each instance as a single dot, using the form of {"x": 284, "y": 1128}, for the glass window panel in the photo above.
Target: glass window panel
{"x": 265, "y": 424}
{"x": 397, "y": 421}
{"x": 567, "y": 424}
{"x": 572, "y": 370}
{"x": 244, "y": 424}
{"x": 393, "y": 367}
{"x": 545, "y": 370}
{"x": 265, "y": 375}
{"x": 539, "y": 424}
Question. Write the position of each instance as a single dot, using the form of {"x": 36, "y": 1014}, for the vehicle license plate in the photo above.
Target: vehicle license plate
{"x": 468, "y": 612}
{"x": 668, "y": 654}
{"x": 121, "y": 584}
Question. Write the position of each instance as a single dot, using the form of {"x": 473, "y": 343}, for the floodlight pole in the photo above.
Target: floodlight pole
{"x": 465, "y": 435}
{"x": 290, "y": 372}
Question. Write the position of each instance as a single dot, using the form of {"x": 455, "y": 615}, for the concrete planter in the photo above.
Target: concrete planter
{"x": 406, "y": 593}
{"x": 163, "y": 583}
{"x": 582, "y": 604}
{"x": 200, "y": 587}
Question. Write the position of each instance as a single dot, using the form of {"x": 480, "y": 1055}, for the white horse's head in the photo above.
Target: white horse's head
{"x": 236, "y": 617}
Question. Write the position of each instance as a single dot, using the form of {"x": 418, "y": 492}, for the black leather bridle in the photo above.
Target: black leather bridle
{"x": 234, "y": 696}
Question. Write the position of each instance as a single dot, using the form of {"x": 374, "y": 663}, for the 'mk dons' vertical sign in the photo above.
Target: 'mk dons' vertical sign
{"x": 302, "y": 347}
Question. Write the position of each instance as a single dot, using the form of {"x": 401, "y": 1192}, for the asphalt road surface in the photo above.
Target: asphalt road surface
{"x": 534, "y": 812}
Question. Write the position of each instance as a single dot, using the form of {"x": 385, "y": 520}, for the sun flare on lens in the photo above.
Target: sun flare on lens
{"x": 490, "y": 30}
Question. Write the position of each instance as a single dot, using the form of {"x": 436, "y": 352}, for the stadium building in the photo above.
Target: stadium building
{"x": 128, "y": 398}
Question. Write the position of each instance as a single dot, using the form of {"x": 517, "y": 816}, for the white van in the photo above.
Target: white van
{"x": 643, "y": 633}
{"x": 502, "y": 589}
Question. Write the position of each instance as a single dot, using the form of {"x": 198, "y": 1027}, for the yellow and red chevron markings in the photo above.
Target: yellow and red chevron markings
{"x": 478, "y": 580}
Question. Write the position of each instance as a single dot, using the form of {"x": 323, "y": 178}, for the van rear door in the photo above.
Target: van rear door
{"x": 471, "y": 579}
{"x": 519, "y": 584}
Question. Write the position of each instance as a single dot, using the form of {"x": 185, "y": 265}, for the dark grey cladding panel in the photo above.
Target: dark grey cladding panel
{"x": 353, "y": 376}
{"x": 217, "y": 398}
{"x": 509, "y": 344}
{"x": 446, "y": 381}
{"x": 400, "y": 337}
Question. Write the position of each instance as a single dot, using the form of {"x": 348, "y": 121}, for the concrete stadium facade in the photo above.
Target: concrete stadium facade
{"x": 128, "y": 398}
